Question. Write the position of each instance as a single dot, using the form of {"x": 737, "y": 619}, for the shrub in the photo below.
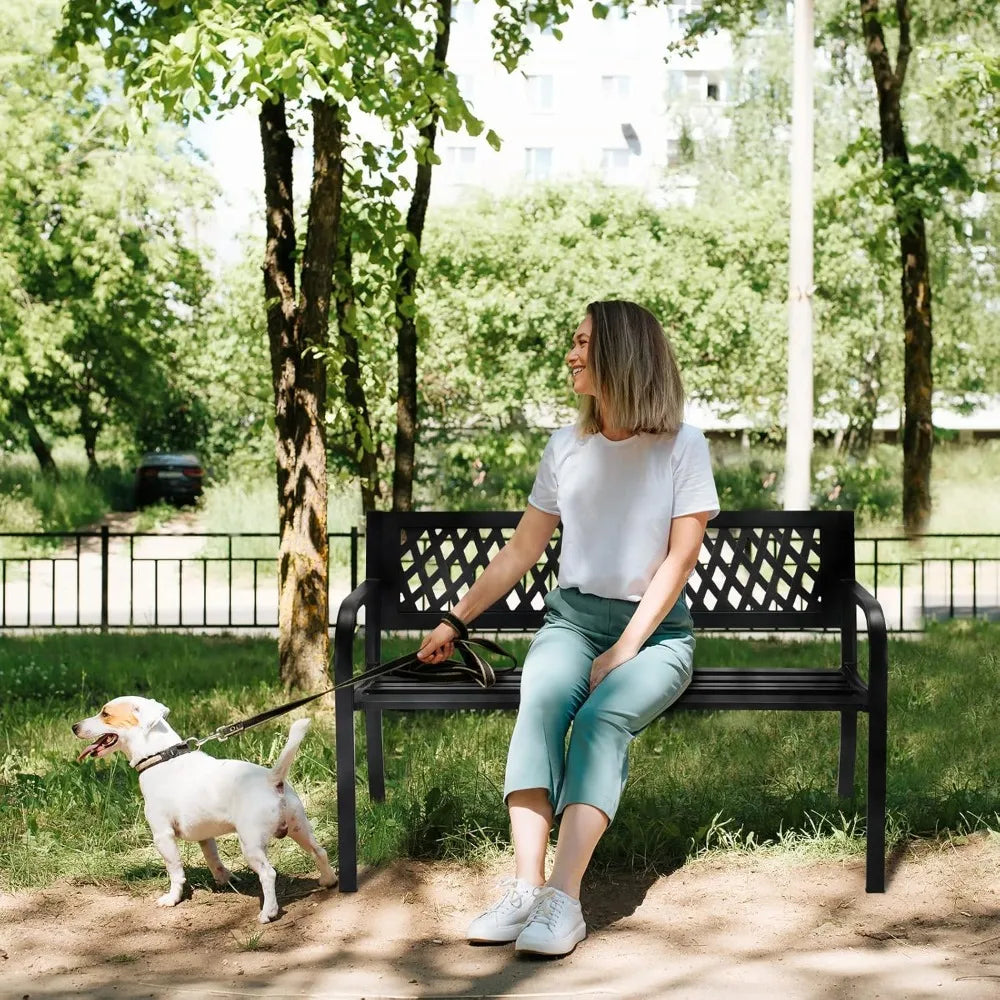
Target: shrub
{"x": 867, "y": 487}
{"x": 748, "y": 485}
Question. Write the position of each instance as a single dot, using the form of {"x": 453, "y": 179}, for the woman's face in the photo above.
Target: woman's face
{"x": 576, "y": 358}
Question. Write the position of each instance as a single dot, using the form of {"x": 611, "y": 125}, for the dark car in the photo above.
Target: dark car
{"x": 174, "y": 477}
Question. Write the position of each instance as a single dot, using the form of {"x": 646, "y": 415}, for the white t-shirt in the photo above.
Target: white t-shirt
{"x": 617, "y": 499}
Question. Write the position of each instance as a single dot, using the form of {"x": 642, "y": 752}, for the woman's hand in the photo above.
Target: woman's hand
{"x": 608, "y": 661}
{"x": 437, "y": 645}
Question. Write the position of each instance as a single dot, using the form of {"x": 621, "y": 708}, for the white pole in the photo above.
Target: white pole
{"x": 799, "y": 422}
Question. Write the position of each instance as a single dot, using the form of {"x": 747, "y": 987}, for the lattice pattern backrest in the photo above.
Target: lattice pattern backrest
{"x": 756, "y": 568}
{"x": 432, "y": 563}
{"x": 760, "y": 569}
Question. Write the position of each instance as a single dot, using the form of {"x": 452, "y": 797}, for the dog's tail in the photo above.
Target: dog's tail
{"x": 284, "y": 762}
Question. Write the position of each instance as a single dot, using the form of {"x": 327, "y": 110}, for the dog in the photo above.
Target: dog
{"x": 192, "y": 796}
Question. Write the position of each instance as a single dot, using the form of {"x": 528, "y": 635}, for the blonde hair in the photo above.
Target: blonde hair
{"x": 634, "y": 372}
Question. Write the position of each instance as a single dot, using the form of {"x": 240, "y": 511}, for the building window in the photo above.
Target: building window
{"x": 691, "y": 84}
{"x": 541, "y": 93}
{"x": 538, "y": 163}
{"x": 680, "y": 10}
{"x": 615, "y": 165}
{"x": 615, "y": 89}
{"x": 460, "y": 162}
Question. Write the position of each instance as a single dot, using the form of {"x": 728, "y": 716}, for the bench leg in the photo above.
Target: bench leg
{"x": 848, "y": 753}
{"x": 875, "y": 865}
{"x": 376, "y": 757}
{"x": 347, "y": 816}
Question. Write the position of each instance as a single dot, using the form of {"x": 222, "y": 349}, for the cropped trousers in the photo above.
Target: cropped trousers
{"x": 555, "y": 696}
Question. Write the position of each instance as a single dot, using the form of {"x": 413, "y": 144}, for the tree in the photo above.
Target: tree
{"x": 912, "y": 177}
{"x": 100, "y": 275}
{"x": 504, "y": 282}
{"x": 322, "y": 63}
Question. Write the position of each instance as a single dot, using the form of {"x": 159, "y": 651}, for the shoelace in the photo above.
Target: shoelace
{"x": 548, "y": 908}
{"x": 512, "y": 893}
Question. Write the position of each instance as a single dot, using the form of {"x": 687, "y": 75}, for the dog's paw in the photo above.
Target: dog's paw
{"x": 266, "y": 916}
{"x": 223, "y": 877}
{"x": 328, "y": 881}
{"x": 168, "y": 899}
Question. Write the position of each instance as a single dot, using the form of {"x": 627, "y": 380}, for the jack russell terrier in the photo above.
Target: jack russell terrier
{"x": 192, "y": 796}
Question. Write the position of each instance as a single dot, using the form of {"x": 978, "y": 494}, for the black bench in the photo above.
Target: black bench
{"x": 767, "y": 570}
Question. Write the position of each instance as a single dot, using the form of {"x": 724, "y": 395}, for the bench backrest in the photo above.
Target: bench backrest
{"x": 757, "y": 569}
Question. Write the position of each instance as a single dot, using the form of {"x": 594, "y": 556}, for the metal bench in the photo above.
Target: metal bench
{"x": 758, "y": 570}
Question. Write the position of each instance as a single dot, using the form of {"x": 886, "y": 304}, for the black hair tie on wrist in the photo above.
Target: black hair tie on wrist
{"x": 456, "y": 623}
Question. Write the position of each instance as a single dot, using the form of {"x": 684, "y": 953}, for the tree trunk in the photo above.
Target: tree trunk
{"x": 22, "y": 415}
{"x": 88, "y": 431}
{"x": 297, "y": 333}
{"x": 406, "y": 284}
{"x": 363, "y": 440}
{"x": 858, "y": 437}
{"x": 918, "y": 430}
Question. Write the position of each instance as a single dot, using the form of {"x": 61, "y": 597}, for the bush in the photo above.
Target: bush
{"x": 751, "y": 485}
{"x": 481, "y": 472}
{"x": 867, "y": 487}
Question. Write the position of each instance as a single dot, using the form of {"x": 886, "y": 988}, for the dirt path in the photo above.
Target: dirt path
{"x": 748, "y": 927}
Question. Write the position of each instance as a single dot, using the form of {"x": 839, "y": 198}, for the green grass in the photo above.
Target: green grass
{"x": 698, "y": 781}
{"x": 251, "y": 505}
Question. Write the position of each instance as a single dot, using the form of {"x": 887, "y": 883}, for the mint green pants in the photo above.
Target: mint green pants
{"x": 555, "y": 694}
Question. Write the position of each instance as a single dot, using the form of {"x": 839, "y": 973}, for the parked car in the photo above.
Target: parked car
{"x": 174, "y": 477}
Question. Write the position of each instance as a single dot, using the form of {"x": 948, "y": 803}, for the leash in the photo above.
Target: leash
{"x": 471, "y": 666}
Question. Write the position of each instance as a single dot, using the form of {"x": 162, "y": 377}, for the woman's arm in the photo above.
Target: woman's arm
{"x": 524, "y": 549}
{"x": 686, "y": 534}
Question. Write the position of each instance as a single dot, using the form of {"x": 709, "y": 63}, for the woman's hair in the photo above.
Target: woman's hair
{"x": 634, "y": 372}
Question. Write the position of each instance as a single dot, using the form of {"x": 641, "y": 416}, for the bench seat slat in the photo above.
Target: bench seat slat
{"x": 779, "y": 688}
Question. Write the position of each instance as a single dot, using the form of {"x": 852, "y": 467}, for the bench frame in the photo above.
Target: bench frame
{"x": 766, "y": 570}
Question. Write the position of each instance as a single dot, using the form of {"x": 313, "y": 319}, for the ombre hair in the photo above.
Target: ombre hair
{"x": 634, "y": 373}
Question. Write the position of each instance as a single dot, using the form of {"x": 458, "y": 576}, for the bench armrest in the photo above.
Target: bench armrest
{"x": 878, "y": 645}
{"x": 343, "y": 636}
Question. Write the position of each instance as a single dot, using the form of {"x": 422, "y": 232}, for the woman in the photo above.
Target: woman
{"x": 633, "y": 488}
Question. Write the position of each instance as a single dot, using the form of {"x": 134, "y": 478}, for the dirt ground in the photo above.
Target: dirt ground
{"x": 744, "y": 927}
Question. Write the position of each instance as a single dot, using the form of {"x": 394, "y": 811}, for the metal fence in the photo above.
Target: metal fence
{"x": 144, "y": 580}
{"x": 211, "y": 581}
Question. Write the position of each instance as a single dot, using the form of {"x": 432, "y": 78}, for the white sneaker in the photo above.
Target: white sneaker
{"x": 506, "y": 918}
{"x": 555, "y": 926}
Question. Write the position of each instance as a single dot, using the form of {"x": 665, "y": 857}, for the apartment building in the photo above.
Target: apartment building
{"x": 606, "y": 100}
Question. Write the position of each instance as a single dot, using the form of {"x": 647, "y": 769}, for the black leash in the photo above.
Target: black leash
{"x": 471, "y": 666}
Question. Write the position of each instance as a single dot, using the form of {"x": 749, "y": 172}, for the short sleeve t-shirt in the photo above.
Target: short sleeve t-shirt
{"x": 616, "y": 500}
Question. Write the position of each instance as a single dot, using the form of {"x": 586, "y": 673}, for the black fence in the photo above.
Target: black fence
{"x": 112, "y": 580}
{"x": 145, "y": 580}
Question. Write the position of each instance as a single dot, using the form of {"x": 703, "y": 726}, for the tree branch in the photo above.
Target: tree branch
{"x": 878, "y": 55}
{"x": 903, "y": 56}
{"x": 279, "y": 257}
{"x": 324, "y": 221}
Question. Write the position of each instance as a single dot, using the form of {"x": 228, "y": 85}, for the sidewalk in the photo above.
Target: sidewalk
{"x": 753, "y": 927}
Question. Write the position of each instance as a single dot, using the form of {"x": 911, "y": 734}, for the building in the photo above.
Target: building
{"x": 606, "y": 100}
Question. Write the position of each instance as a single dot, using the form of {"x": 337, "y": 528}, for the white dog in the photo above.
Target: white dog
{"x": 193, "y": 796}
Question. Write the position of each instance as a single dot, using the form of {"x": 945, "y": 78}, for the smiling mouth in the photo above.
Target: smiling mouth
{"x": 99, "y": 747}
{"x": 575, "y": 371}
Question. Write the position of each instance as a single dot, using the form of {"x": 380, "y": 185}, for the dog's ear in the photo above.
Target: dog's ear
{"x": 149, "y": 713}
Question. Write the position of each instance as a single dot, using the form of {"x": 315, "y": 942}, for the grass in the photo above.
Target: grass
{"x": 699, "y": 782}
{"x": 251, "y": 505}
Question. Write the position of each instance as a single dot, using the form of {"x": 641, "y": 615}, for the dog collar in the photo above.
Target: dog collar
{"x": 161, "y": 757}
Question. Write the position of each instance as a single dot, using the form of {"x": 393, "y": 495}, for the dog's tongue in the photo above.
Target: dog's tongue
{"x": 96, "y": 747}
